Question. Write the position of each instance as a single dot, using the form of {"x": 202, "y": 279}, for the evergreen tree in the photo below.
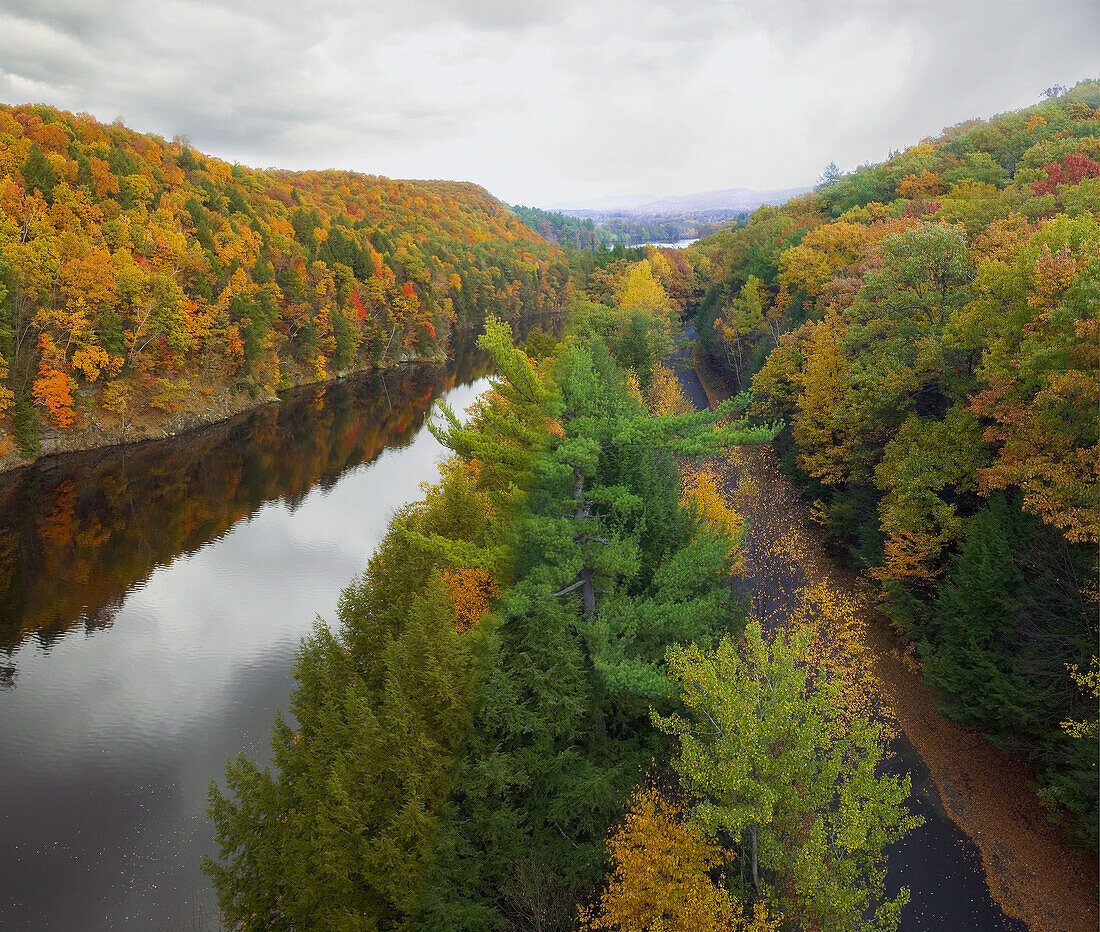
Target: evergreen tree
{"x": 612, "y": 571}
{"x": 38, "y": 173}
{"x": 830, "y": 176}
{"x": 341, "y": 834}
{"x": 1008, "y": 620}
{"x": 1007, "y": 584}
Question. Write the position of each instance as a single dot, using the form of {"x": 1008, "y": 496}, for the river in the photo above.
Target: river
{"x": 152, "y": 599}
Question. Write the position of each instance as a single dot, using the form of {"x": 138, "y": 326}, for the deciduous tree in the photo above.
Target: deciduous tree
{"x": 777, "y": 773}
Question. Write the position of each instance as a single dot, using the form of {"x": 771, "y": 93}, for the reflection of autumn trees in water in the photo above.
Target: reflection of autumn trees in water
{"x": 78, "y": 533}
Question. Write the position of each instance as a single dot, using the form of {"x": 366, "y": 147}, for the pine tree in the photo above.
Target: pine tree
{"x": 611, "y": 572}
{"x": 1008, "y": 621}
{"x": 340, "y": 834}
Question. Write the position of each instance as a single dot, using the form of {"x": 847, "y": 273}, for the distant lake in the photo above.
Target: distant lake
{"x": 152, "y": 600}
{"x": 679, "y": 244}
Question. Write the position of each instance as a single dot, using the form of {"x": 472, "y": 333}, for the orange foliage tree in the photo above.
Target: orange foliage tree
{"x": 472, "y": 590}
{"x": 53, "y": 390}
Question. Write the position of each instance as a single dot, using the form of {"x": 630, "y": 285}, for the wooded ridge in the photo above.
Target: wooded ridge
{"x": 141, "y": 279}
{"x": 926, "y": 328}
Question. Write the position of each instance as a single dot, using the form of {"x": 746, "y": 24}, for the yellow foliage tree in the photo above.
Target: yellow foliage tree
{"x": 664, "y": 394}
{"x": 926, "y": 184}
{"x": 640, "y": 291}
{"x": 633, "y": 386}
{"x": 7, "y": 396}
{"x": 1089, "y": 683}
{"x": 826, "y": 447}
{"x": 116, "y": 398}
{"x": 824, "y": 252}
{"x": 661, "y": 877}
{"x": 700, "y": 491}
{"x": 89, "y": 361}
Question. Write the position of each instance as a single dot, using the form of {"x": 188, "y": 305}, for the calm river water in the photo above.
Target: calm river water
{"x": 152, "y": 599}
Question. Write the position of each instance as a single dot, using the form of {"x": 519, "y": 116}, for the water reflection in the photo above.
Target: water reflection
{"x": 209, "y": 556}
{"x": 78, "y": 532}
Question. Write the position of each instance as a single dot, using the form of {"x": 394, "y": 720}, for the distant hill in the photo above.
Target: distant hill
{"x": 740, "y": 199}
{"x": 730, "y": 200}
{"x": 609, "y": 202}
{"x": 635, "y": 219}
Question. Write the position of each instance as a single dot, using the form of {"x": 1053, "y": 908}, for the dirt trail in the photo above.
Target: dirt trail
{"x": 986, "y": 849}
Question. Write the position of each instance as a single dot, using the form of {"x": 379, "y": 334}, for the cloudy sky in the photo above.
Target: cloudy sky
{"x": 547, "y": 101}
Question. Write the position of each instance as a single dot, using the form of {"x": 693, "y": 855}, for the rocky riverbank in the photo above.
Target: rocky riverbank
{"x": 199, "y": 406}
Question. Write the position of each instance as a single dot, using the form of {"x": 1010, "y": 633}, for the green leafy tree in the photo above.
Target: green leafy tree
{"x": 935, "y": 344}
{"x": 611, "y": 572}
{"x": 38, "y": 173}
{"x": 778, "y": 773}
{"x": 742, "y": 324}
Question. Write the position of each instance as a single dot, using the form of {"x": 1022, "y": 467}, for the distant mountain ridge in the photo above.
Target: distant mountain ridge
{"x": 606, "y": 202}
{"x": 727, "y": 199}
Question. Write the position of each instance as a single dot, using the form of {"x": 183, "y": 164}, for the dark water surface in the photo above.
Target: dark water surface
{"x": 152, "y": 599}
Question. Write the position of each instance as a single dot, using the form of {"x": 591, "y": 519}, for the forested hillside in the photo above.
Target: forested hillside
{"x": 139, "y": 278}
{"x": 926, "y": 328}
{"x": 566, "y": 231}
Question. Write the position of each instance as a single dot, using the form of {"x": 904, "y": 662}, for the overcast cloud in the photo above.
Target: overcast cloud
{"x": 546, "y": 101}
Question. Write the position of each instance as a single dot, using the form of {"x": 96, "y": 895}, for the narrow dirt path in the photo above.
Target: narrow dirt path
{"x": 986, "y": 857}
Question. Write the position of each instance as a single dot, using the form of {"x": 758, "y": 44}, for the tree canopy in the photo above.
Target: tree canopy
{"x": 139, "y": 277}
{"x": 929, "y": 339}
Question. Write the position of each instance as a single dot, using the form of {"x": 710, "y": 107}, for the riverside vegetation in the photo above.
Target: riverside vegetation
{"x": 543, "y": 704}
{"x": 544, "y": 707}
{"x": 926, "y": 329}
{"x": 547, "y": 649}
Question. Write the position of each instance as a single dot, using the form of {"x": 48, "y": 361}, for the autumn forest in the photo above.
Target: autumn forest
{"x": 141, "y": 279}
{"x": 749, "y": 566}
{"x": 619, "y": 739}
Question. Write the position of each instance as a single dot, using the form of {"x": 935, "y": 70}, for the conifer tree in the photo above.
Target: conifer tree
{"x": 611, "y": 572}
{"x": 38, "y": 173}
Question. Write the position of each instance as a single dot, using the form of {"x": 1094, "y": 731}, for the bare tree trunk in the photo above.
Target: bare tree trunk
{"x": 588, "y": 594}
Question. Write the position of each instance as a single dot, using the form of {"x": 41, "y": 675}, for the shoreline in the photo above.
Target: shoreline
{"x": 221, "y": 407}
